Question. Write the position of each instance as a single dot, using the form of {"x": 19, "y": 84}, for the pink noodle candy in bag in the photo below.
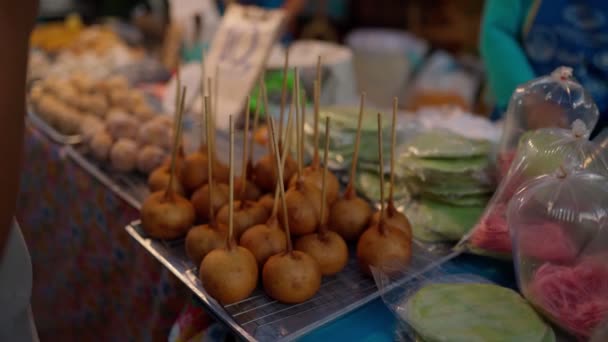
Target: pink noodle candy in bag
{"x": 559, "y": 228}
{"x": 554, "y": 100}
{"x": 540, "y": 152}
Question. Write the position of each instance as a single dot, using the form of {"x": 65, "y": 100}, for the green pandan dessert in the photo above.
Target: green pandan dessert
{"x": 473, "y": 312}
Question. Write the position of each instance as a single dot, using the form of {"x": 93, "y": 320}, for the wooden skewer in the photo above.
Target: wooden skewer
{"x": 315, "y": 159}
{"x": 267, "y": 112}
{"x": 179, "y": 109}
{"x": 210, "y": 116}
{"x": 210, "y": 160}
{"x": 298, "y": 123}
{"x": 287, "y": 135}
{"x": 302, "y": 124}
{"x": 178, "y": 86}
{"x": 283, "y": 96}
{"x": 256, "y": 120}
{"x": 281, "y": 189}
{"x": 393, "y": 143}
{"x": 245, "y": 155}
{"x": 323, "y": 221}
{"x": 202, "y": 94}
{"x": 216, "y": 95}
{"x": 230, "y": 236}
{"x": 380, "y": 154}
{"x": 319, "y": 71}
{"x": 279, "y": 184}
{"x": 350, "y": 188}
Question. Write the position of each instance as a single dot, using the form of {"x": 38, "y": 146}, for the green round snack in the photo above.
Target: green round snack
{"x": 443, "y": 144}
{"x": 434, "y": 221}
{"x": 368, "y": 184}
{"x": 449, "y": 166}
{"x": 471, "y": 312}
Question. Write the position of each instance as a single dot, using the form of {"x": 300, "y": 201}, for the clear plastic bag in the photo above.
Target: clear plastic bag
{"x": 540, "y": 152}
{"x": 559, "y": 227}
{"x": 443, "y": 307}
{"x": 555, "y": 100}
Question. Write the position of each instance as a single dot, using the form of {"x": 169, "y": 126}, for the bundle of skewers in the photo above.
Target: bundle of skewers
{"x": 280, "y": 220}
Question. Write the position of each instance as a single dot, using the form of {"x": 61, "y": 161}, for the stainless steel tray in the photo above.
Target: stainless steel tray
{"x": 262, "y": 318}
{"x": 51, "y": 132}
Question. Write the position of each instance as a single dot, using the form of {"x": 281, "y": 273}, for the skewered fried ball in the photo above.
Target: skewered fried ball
{"x": 264, "y": 240}
{"x": 159, "y": 179}
{"x": 386, "y": 248}
{"x": 166, "y": 215}
{"x": 349, "y": 217}
{"x": 302, "y": 208}
{"x": 265, "y": 174}
{"x": 193, "y": 174}
{"x": 204, "y": 238}
{"x": 200, "y": 199}
{"x": 391, "y": 215}
{"x": 292, "y": 276}
{"x": 393, "y": 218}
{"x": 350, "y": 214}
{"x": 326, "y": 247}
{"x": 251, "y": 192}
{"x": 382, "y": 245}
{"x": 313, "y": 175}
{"x": 246, "y": 215}
{"x": 229, "y": 274}
{"x": 266, "y": 201}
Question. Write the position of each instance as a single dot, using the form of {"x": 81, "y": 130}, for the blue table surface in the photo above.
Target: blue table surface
{"x": 375, "y": 322}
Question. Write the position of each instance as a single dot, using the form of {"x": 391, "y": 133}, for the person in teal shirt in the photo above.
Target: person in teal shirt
{"x": 524, "y": 39}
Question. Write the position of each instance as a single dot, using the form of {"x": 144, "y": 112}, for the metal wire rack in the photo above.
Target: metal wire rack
{"x": 261, "y": 318}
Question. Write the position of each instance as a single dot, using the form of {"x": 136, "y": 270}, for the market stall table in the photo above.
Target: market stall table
{"x": 91, "y": 280}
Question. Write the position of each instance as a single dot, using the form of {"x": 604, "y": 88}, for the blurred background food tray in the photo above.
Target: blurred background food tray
{"x": 261, "y": 318}
{"x": 51, "y": 132}
{"x": 131, "y": 187}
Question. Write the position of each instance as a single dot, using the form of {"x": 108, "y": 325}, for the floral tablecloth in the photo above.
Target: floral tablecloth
{"x": 92, "y": 282}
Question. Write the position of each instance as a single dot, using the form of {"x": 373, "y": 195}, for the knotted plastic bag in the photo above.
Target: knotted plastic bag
{"x": 540, "y": 152}
{"x": 559, "y": 227}
{"x": 555, "y": 100}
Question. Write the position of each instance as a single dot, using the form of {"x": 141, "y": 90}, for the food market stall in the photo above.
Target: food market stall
{"x": 341, "y": 209}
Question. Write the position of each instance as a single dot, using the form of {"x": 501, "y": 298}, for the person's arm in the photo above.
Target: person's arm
{"x": 16, "y": 21}
{"x": 504, "y": 57}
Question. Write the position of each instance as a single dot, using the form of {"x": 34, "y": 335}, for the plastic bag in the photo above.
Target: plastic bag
{"x": 460, "y": 307}
{"x": 559, "y": 226}
{"x": 540, "y": 152}
{"x": 554, "y": 100}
